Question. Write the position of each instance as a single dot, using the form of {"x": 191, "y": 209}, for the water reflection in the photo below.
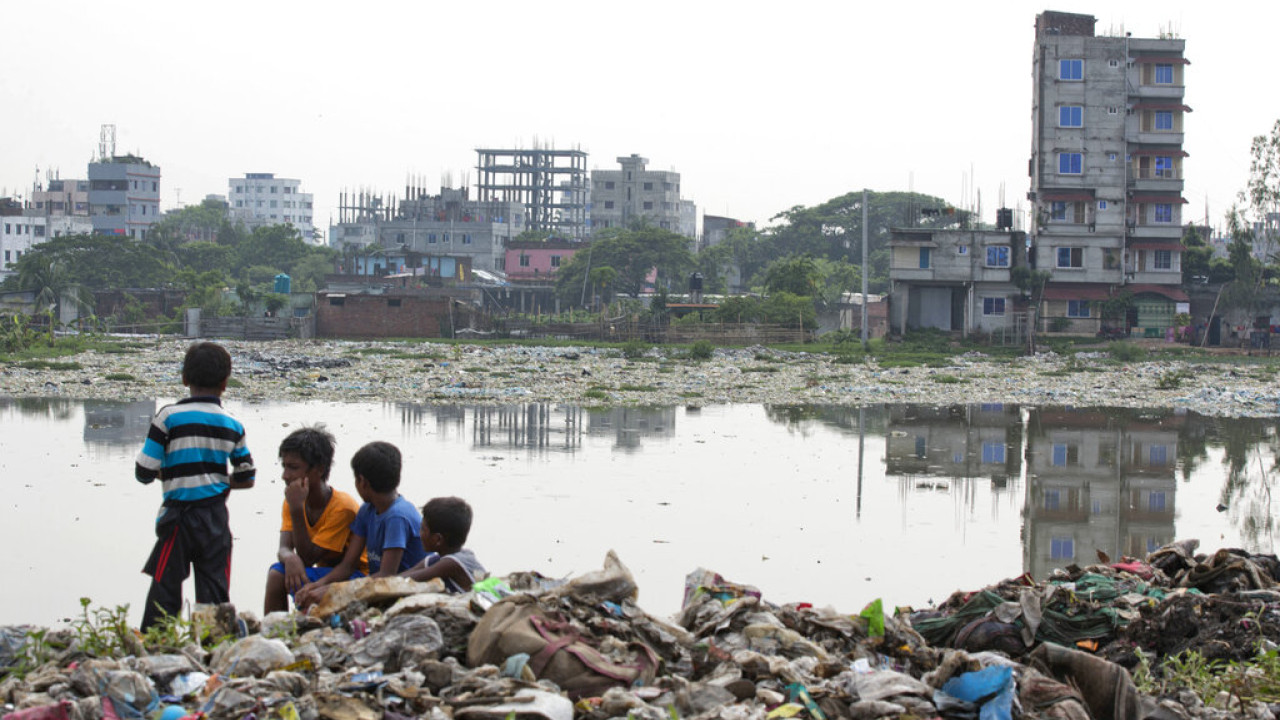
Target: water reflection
{"x": 971, "y": 493}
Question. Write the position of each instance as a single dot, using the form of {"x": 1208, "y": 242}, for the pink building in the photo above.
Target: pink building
{"x": 537, "y": 261}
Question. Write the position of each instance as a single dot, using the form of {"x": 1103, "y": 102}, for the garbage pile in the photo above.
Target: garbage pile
{"x": 535, "y": 648}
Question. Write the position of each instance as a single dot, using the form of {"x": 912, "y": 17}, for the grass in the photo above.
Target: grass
{"x": 120, "y": 377}
{"x": 636, "y": 388}
{"x": 1254, "y": 680}
{"x": 49, "y": 365}
{"x": 595, "y": 394}
{"x": 761, "y": 369}
{"x": 944, "y": 379}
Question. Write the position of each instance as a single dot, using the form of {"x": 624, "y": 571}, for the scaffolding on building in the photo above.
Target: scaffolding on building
{"x": 552, "y": 184}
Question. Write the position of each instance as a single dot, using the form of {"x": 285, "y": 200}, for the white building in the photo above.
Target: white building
{"x": 18, "y": 233}
{"x": 259, "y": 199}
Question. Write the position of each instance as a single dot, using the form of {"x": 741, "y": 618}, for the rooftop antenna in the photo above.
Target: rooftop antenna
{"x": 107, "y": 142}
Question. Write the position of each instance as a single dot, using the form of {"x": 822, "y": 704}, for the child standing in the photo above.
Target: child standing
{"x": 387, "y": 526}
{"x": 316, "y": 523}
{"x": 446, "y": 522}
{"x": 189, "y": 447}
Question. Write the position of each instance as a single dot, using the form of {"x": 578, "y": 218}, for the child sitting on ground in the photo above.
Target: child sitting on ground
{"x": 316, "y": 524}
{"x": 387, "y": 525}
{"x": 446, "y": 521}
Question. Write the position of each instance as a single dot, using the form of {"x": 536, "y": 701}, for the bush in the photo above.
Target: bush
{"x": 1127, "y": 352}
{"x": 1059, "y": 324}
{"x": 633, "y": 349}
{"x": 701, "y": 350}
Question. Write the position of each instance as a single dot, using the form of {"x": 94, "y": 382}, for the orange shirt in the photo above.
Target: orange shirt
{"x": 332, "y": 530}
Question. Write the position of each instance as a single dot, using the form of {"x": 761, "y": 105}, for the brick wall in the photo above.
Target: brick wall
{"x": 380, "y": 316}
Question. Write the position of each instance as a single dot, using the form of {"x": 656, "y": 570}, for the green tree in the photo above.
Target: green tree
{"x": 633, "y": 253}
{"x": 51, "y": 284}
{"x": 203, "y": 256}
{"x": 796, "y": 274}
{"x": 99, "y": 262}
{"x": 1263, "y": 189}
{"x": 274, "y": 246}
{"x": 1197, "y": 256}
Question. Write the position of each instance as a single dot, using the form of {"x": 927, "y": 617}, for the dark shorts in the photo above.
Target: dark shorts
{"x": 314, "y": 573}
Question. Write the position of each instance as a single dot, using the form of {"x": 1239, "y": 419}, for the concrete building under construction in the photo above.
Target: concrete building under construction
{"x": 552, "y": 184}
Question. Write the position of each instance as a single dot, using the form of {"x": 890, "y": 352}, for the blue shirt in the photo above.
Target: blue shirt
{"x": 399, "y": 527}
{"x": 189, "y": 446}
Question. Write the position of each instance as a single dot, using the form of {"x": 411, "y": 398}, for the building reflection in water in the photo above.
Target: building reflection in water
{"x": 526, "y": 426}
{"x": 108, "y": 422}
{"x": 1099, "y": 480}
{"x": 630, "y": 425}
{"x": 949, "y": 448}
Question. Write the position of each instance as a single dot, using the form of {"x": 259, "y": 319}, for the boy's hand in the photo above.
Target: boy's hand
{"x": 295, "y": 493}
{"x": 308, "y": 595}
{"x": 295, "y": 573}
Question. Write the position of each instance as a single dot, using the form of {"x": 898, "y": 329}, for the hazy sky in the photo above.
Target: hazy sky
{"x": 759, "y": 106}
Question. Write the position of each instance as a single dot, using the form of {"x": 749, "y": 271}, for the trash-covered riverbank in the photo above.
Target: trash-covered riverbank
{"x": 439, "y": 374}
{"x": 530, "y": 647}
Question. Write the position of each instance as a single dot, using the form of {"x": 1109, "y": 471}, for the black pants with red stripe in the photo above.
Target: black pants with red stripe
{"x": 189, "y": 536}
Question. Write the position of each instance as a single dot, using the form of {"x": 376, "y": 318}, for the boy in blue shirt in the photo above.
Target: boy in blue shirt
{"x": 387, "y": 526}
{"x": 188, "y": 447}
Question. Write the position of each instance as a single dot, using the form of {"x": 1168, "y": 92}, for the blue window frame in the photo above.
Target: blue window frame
{"x": 1071, "y": 69}
{"x": 1058, "y": 211}
{"x": 993, "y": 306}
{"x": 1052, "y": 499}
{"x": 1164, "y": 74}
{"x": 993, "y": 452}
{"x": 1164, "y": 213}
{"x": 431, "y": 238}
{"x": 1078, "y": 308}
{"x": 1158, "y": 454}
{"x": 1059, "y": 455}
{"x": 1070, "y": 257}
{"x": 1070, "y": 116}
{"x": 1070, "y": 163}
{"x": 998, "y": 256}
{"x": 1062, "y": 548}
{"x": 1156, "y": 502}
{"x": 1164, "y": 119}
{"x": 1164, "y": 166}
{"x": 924, "y": 258}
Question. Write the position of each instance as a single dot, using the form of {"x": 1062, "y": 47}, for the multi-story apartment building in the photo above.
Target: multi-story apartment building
{"x": 634, "y": 192}
{"x": 955, "y": 280}
{"x": 124, "y": 195}
{"x": 259, "y": 199}
{"x": 19, "y": 233}
{"x": 60, "y": 197}
{"x": 447, "y": 224}
{"x": 1106, "y": 173}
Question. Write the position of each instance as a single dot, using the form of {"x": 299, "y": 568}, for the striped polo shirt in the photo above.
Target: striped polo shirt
{"x": 189, "y": 447}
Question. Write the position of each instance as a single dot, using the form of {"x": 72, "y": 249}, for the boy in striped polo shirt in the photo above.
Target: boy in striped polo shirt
{"x": 189, "y": 447}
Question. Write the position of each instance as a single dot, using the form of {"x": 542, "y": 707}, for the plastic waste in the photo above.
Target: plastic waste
{"x": 188, "y": 683}
{"x": 254, "y": 656}
{"x": 991, "y": 688}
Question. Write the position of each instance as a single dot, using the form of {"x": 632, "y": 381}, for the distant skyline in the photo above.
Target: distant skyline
{"x": 759, "y": 109}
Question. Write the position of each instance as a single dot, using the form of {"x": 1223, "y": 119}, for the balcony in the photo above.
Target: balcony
{"x": 1156, "y": 137}
{"x": 1159, "y": 92}
{"x": 1159, "y": 179}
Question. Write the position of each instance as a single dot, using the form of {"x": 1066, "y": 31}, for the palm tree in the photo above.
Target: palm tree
{"x": 52, "y": 285}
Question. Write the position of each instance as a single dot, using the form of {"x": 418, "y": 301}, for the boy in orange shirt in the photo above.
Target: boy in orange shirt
{"x": 316, "y": 524}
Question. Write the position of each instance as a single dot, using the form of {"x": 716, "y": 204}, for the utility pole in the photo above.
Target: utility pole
{"x": 864, "y": 270}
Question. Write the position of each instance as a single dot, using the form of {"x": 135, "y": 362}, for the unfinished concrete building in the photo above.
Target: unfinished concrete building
{"x": 552, "y": 184}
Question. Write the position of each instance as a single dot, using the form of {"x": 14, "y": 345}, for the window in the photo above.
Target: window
{"x": 1164, "y": 74}
{"x": 1052, "y": 499}
{"x": 524, "y": 261}
{"x": 993, "y": 452}
{"x": 1156, "y": 502}
{"x": 1158, "y": 454}
{"x": 998, "y": 256}
{"x": 1071, "y": 69}
{"x": 1164, "y": 120}
{"x": 608, "y": 204}
{"x": 1163, "y": 260}
{"x": 1062, "y": 548}
{"x": 1065, "y": 454}
{"x": 648, "y": 186}
{"x": 431, "y": 238}
{"x": 1070, "y": 257}
{"x": 924, "y": 258}
{"x": 466, "y": 238}
{"x": 1058, "y": 211}
{"x": 1070, "y": 163}
{"x": 1164, "y": 213}
{"x": 608, "y": 185}
{"x": 393, "y": 302}
{"x": 1102, "y": 204}
{"x": 1113, "y": 63}
{"x": 39, "y": 230}
{"x": 1113, "y": 110}
{"x": 555, "y": 261}
{"x": 337, "y": 300}
{"x": 648, "y": 205}
{"x": 444, "y": 237}
{"x": 1078, "y": 308}
{"x": 1070, "y": 116}
{"x": 962, "y": 249}
{"x": 993, "y": 306}
{"x": 274, "y": 189}
{"x": 1164, "y": 166}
